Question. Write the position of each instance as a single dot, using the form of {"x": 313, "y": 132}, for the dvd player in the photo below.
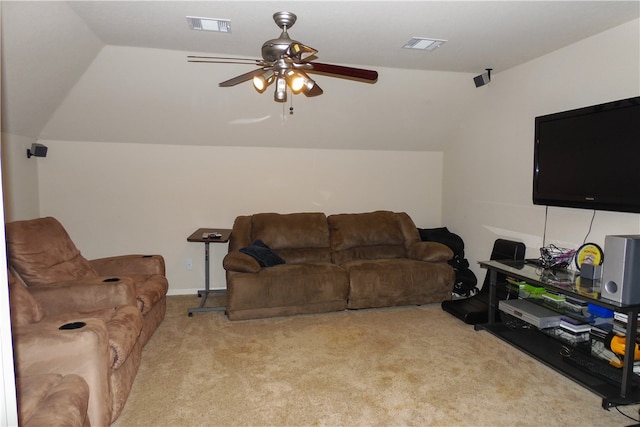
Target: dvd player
{"x": 530, "y": 312}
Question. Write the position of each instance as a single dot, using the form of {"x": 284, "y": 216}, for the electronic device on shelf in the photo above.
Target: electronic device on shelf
{"x": 587, "y": 157}
{"x": 535, "y": 314}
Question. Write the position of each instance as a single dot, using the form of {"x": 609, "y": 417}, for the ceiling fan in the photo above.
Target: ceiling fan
{"x": 286, "y": 63}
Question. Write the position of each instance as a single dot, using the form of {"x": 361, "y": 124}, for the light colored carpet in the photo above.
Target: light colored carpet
{"x": 382, "y": 367}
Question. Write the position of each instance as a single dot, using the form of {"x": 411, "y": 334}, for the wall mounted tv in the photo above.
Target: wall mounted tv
{"x": 589, "y": 157}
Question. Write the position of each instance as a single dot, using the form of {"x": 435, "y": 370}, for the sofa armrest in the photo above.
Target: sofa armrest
{"x": 41, "y": 347}
{"x": 243, "y": 263}
{"x": 129, "y": 265}
{"x": 430, "y": 251}
{"x": 85, "y": 295}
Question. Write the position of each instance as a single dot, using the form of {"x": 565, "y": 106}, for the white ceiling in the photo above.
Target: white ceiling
{"x": 480, "y": 34}
{"x": 47, "y": 46}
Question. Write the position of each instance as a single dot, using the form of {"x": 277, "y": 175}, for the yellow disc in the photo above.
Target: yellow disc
{"x": 589, "y": 253}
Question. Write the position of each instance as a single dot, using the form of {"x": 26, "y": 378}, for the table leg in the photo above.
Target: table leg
{"x": 206, "y": 291}
{"x": 629, "y": 352}
{"x": 493, "y": 278}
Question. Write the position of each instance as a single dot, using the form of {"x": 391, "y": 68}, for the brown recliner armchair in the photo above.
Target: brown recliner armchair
{"x": 89, "y": 329}
{"x": 52, "y": 400}
{"x": 42, "y": 254}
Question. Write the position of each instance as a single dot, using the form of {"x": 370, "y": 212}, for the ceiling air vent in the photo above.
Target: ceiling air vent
{"x": 209, "y": 24}
{"x": 422, "y": 43}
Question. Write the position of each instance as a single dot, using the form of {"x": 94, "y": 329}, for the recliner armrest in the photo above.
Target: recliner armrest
{"x": 52, "y": 399}
{"x": 129, "y": 265}
{"x": 85, "y": 295}
{"x": 430, "y": 251}
{"x": 243, "y": 263}
{"x": 41, "y": 346}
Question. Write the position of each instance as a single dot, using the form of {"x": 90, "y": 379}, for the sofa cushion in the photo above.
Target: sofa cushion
{"x": 296, "y": 230}
{"x": 372, "y": 235}
{"x": 263, "y": 254}
{"x": 297, "y": 237}
{"x": 400, "y": 281}
{"x": 42, "y": 252}
{"x": 287, "y": 289}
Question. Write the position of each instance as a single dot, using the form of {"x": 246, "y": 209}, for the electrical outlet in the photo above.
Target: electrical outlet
{"x": 189, "y": 264}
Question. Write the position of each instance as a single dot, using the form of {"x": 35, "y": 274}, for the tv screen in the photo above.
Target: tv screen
{"x": 589, "y": 157}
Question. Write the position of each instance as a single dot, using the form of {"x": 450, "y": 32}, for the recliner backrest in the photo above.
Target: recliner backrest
{"x": 296, "y": 237}
{"x": 371, "y": 235}
{"x": 41, "y": 252}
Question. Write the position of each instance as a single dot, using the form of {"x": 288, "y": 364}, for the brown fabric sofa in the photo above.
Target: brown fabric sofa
{"x": 101, "y": 344}
{"x": 52, "y": 400}
{"x": 42, "y": 254}
{"x": 334, "y": 262}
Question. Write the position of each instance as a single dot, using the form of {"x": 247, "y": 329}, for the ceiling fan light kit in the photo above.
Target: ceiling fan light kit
{"x": 262, "y": 81}
{"x": 280, "y": 95}
{"x": 287, "y": 62}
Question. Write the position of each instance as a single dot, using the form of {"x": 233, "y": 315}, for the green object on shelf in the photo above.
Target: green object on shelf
{"x": 530, "y": 291}
{"x": 555, "y": 297}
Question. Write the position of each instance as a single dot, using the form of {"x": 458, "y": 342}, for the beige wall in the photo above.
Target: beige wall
{"x": 489, "y": 165}
{"x": 132, "y": 198}
{"x": 20, "y": 178}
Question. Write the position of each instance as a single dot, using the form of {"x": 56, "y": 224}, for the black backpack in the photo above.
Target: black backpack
{"x": 466, "y": 280}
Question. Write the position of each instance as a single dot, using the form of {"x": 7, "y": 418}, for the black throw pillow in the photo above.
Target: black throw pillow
{"x": 263, "y": 254}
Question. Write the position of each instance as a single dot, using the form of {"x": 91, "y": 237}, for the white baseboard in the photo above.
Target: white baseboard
{"x": 193, "y": 291}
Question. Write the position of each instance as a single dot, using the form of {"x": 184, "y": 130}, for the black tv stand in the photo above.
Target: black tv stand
{"x": 550, "y": 350}
{"x": 534, "y": 261}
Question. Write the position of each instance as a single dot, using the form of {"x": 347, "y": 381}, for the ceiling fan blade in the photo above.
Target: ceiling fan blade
{"x": 224, "y": 60}
{"x": 241, "y": 78}
{"x": 342, "y": 71}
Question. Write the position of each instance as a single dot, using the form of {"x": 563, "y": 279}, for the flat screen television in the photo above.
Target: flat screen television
{"x": 589, "y": 157}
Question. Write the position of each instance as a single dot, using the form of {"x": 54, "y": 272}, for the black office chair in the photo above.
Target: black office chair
{"x": 475, "y": 310}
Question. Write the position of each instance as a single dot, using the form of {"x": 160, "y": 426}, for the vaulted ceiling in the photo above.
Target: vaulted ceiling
{"x": 47, "y": 46}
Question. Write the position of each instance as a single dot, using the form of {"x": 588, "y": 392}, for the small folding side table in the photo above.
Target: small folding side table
{"x": 206, "y": 236}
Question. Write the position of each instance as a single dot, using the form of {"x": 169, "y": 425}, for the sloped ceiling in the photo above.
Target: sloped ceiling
{"x": 48, "y": 46}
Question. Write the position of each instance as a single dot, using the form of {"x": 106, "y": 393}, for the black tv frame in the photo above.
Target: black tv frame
{"x": 594, "y": 145}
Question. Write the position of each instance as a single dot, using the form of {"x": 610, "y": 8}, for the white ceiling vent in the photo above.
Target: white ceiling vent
{"x": 209, "y": 24}
{"x": 422, "y": 43}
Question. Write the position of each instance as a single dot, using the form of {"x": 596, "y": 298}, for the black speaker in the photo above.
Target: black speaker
{"x": 621, "y": 269}
{"x": 37, "y": 150}
{"x": 481, "y": 80}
